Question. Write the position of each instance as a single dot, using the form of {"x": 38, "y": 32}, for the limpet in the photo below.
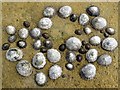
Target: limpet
{"x": 92, "y": 55}
{"x": 5, "y": 46}
{"x": 49, "y": 12}
{"x": 53, "y": 55}
{"x": 99, "y": 23}
{"x": 88, "y": 71}
{"x": 109, "y": 44}
{"x": 12, "y": 38}
{"x": 110, "y": 31}
{"x": 24, "y": 68}
{"x": 21, "y": 44}
{"x": 70, "y": 56}
{"x": 45, "y": 23}
{"x": 14, "y": 54}
{"x": 95, "y": 40}
{"x": 39, "y": 60}
{"x": 69, "y": 66}
{"x": 35, "y": 33}
{"x": 10, "y": 30}
{"x": 87, "y": 30}
{"x": 104, "y": 60}
{"x": 55, "y": 71}
{"x": 73, "y": 43}
{"x": 65, "y": 11}
{"x": 37, "y": 44}
{"x": 23, "y": 33}
{"x": 40, "y": 78}
{"x": 83, "y": 19}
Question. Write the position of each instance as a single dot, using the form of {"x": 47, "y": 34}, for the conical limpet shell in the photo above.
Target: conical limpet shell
{"x": 39, "y": 61}
{"x": 23, "y": 33}
{"x": 88, "y": 71}
{"x": 14, "y": 54}
{"x": 104, "y": 60}
{"x": 83, "y": 19}
{"x": 73, "y": 43}
{"x": 37, "y": 44}
{"x": 10, "y": 30}
{"x": 40, "y": 78}
{"x": 24, "y": 68}
{"x": 95, "y": 40}
{"x": 53, "y": 55}
{"x": 92, "y": 55}
{"x": 45, "y": 23}
{"x": 70, "y": 56}
{"x": 65, "y": 11}
{"x": 55, "y": 71}
{"x": 99, "y": 23}
{"x": 109, "y": 44}
{"x": 35, "y": 33}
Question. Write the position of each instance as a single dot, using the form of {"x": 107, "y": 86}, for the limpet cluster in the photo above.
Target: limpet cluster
{"x": 73, "y": 46}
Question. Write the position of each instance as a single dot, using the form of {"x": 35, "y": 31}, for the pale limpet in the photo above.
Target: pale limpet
{"x": 45, "y": 23}
{"x": 92, "y": 55}
{"x": 83, "y": 19}
{"x": 40, "y": 78}
{"x": 39, "y": 61}
{"x": 104, "y": 60}
{"x": 10, "y": 30}
{"x": 88, "y": 71}
{"x": 109, "y": 44}
{"x": 14, "y": 54}
{"x": 73, "y": 43}
{"x": 37, "y": 44}
{"x": 24, "y": 68}
{"x": 55, "y": 71}
{"x": 95, "y": 40}
{"x": 87, "y": 30}
{"x": 23, "y": 33}
{"x": 53, "y": 55}
{"x": 70, "y": 56}
{"x": 36, "y": 33}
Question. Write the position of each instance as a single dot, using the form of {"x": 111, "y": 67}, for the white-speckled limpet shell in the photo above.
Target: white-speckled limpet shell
{"x": 88, "y": 71}
{"x": 23, "y": 33}
{"x": 92, "y": 55}
{"x": 95, "y": 40}
{"x": 109, "y": 44}
{"x": 45, "y": 23}
{"x": 70, "y": 56}
{"x": 87, "y": 30}
{"x": 40, "y": 78}
{"x": 104, "y": 60}
{"x": 55, "y": 71}
{"x": 49, "y": 12}
{"x": 10, "y": 30}
{"x": 24, "y": 68}
{"x": 99, "y": 23}
{"x": 53, "y": 55}
{"x": 37, "y": 44}
{"x": 65, "y": 11}
{"x": 83, "y": 19}
{"x": 73, "y": 43}
{"x": 35, "y": 33}
{"x": 14, "y": 54}
{"x": 39, "y": 61}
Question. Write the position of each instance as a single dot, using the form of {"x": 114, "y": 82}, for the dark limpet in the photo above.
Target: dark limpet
{"x": 12, "y": 38}
{"x": 69, "y": 66}
{"x": 45, "y": 35}
{"x": 43, "y": 49}
{"x": 48, "y": 44}
{"x": 62, "y": 47}
{"x": 5, "y": 46}
{"x": 87, "y": 46}
{"x": 106, "y": 34}
{"x": 79, "y": 58}
{"x": 110, "y": 31}
{"x": 78, "y": 32}
{"x": 82, "y": 50}
{"x": 26, "y": 24}
{"x": 21, "y": 44}
{"x": 84, "y": 42}
{"x": 73, "y": 17}
{"x": 93, "y": 10}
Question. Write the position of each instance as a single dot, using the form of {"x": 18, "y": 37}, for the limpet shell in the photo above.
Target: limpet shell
{"x": 88, "y": 71}
{"x": 70, "y": 56}
{"x": 83, "y": 19}
{"x": 35, "y": 33}
{"x": 49, "y": 12}
{"x": 99, "y": 23}
{"x": 24, "y": 68}
{"x": 69, "y": 66}
{"x": 104, "y": 60}
{"x": 92, "y": 55}
{"x": 40, "y": 78}
{"x": 10, "y": 30}
{"x": 53, "y": 55}
{"x": 12, "y": 38}
{"x": 39, "y": 61}
{"x": 45, "y": 23}
{"x": 23, "y": 33}
{"x": 95, "y": 40}
{"x": 14, "y": 54}
{"x": 109, "y": 44}
{"x": 87, "y": 30}
{"x": 37, "y": 44}
{"x": 65, "y": 11}
{"x": 110, "y": 31}
{"x": 73, "y": 43}
{"x": 55, "y": 71}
